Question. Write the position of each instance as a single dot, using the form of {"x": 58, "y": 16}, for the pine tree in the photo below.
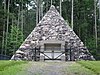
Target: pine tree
{"x": 13, "y": 45}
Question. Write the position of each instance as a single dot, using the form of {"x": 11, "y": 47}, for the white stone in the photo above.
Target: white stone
{"x": 18, "y": 51}
{"x": 22, "y": 46}
{"x": 43, "y": 37}
{"x": 32, "y": 42}
{"x": 27, "y": 45}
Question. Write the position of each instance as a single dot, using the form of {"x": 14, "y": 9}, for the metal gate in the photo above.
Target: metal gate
{"x": 47, "y": 57}
{"x": 53, "y": 54}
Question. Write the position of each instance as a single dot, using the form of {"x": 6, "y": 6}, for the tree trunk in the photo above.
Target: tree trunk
{"x": 72, "y": 15}
{"x": 7, "y": 26}
{"x": 22, "y": 23}
{"x": 99, "y": 10}
{"x": 3, "y": 38}
{"x": 60, "y": 7}
{"x": 18, "y": 15}
{"x": 51, "y": 2}
{"x": 95, "y": 22}
{"x": 37, "y": 12}
{"x": 42, "y": 10}
{"x": 47, "y": 5}
{"x": 12, "y": 26}
{"x": 27, "y": 20}
{"x": 18, "y": 20}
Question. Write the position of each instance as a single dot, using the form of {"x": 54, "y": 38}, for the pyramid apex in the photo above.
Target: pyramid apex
{"x": 52, "y": 7}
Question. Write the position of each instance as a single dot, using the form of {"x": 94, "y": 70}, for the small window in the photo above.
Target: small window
{"x": 52, "y": 47}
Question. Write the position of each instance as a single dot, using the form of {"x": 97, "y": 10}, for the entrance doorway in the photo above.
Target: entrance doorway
{"x": 52, "y": 51}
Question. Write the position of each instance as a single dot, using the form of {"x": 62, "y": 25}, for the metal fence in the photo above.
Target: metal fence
{"x": 36, "y": 52}
{"x": 4, "y": 57}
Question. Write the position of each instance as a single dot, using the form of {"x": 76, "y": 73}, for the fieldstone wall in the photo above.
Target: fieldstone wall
{"x": 53, "y": 27}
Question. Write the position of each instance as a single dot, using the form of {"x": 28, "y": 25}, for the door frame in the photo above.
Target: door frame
{"x": 42, "y": 45}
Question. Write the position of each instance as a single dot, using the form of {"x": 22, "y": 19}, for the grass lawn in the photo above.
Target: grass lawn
{"x": 11, "y": 67}
{"x": 78, "y": 69}
{"x": 92, "y": 65}
{"x": 71, "y": 68}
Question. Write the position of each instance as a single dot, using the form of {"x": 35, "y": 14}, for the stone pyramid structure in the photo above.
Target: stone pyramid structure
{"x": 52, "y": 27}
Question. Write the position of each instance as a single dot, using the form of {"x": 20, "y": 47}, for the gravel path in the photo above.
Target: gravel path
{"x": 55, "y": 68}
{"x": 47, "y": 68}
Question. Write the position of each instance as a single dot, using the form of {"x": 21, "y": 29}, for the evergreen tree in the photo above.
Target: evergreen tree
{"x": 15, "y": 39}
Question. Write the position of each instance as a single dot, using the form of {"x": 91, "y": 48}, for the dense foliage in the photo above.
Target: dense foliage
{"x": 24, "y": 14}
{"x": 15, "y": 34}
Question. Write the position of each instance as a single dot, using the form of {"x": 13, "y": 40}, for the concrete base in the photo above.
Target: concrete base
{"x": 63, "y": 58}
{"x": 42, "y": 58}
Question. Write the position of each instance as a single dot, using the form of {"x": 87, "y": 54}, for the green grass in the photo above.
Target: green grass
{"x": 92, "y": 65}
{"x": 74, "y": 68}
{"x": 11, "y": 67}
{"x": 77, "y": 69}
